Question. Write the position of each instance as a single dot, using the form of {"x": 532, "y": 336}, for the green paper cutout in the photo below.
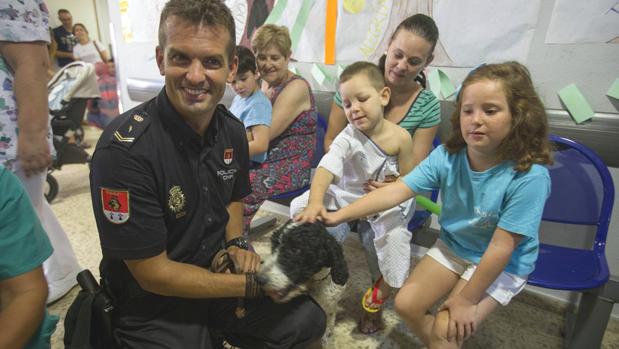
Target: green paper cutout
{"x": 440, "y": 84}
{"x": 320, "y": 75}
{"x": 340, "y": 69}
{"x": 299, "y": 23}
{"x": 613, "y": 90}
{"x": 447, "y": 89}
{"x": 575, "y": 103}
{"x": 435, "y": 83}
{"x": 276, "y": 12}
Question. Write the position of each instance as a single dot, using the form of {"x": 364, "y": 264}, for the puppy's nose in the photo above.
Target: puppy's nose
{"x": 261, "y": 279}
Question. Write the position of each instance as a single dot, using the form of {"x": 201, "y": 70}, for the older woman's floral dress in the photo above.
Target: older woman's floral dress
{"x": 289, "y": 159}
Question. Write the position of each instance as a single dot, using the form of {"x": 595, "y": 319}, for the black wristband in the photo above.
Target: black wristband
{"x": 239, "y": 242}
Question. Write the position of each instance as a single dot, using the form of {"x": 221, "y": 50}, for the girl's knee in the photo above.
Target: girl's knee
{"x": 407, "y": 308}
{"x": 440, "y": 327}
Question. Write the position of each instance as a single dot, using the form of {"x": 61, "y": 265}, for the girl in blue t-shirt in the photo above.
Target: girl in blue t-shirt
{"x": 493, "y": 187}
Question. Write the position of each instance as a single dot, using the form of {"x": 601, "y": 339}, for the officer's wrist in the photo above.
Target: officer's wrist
{"x": 239, "y": 242}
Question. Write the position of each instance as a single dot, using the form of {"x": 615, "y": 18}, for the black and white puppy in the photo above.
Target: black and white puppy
{"x": 305, "y": 259}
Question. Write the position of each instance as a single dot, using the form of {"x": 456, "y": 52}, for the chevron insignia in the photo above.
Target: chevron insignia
{"x": 120, "y": 138}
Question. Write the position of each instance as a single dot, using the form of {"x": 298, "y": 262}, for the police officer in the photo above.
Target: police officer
{"x": 167, "y": 182}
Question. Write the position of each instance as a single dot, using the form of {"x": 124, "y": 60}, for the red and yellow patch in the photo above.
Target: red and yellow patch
{"x": 115, "y": 205}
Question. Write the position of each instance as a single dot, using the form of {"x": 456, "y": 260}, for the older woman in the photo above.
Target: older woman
{"x": 293, "y": 122}
{"x": 412, "y": 107}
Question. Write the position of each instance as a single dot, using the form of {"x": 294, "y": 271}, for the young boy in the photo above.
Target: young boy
{"x": 369, "y": 148}
{"x": 251, "y": 105}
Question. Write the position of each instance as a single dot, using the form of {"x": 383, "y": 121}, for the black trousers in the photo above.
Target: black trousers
{"x": 154, "y": 321}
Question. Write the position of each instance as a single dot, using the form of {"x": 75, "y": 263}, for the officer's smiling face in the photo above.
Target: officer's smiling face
{"x": 196, "y": 66}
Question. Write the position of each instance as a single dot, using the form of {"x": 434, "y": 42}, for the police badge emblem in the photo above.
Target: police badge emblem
{"x": 115, "y": 205}
{"x": 228, "y": 152}
{"x": 176, "y": 201}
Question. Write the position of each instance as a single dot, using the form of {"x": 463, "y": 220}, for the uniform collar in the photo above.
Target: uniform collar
{"x": 182, "y": 133}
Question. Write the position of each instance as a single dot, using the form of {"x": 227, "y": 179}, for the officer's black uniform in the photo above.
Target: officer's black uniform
{"x": 157, "y": 185}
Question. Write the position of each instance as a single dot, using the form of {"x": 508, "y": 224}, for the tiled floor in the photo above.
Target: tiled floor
{"x": 528, "y": 322}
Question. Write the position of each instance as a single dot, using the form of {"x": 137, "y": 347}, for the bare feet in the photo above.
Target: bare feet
{"x": 372, "y": 319}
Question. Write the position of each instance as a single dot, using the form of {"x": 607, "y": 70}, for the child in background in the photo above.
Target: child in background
{"x": 251, "y": 105}
{"x": 493, "y": 187}
{"x": 369, "y": 148}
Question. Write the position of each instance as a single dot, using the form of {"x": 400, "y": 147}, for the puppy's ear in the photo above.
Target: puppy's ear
{"x": 339, "y": 268}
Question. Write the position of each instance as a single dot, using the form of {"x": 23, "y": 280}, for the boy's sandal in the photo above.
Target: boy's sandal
{"x": 373, "y": 291}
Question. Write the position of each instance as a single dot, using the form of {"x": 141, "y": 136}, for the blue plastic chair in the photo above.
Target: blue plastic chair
{"x": 582, "y": 194}
{"x": 421, "y": 215}
{"x": 321, "y": 130}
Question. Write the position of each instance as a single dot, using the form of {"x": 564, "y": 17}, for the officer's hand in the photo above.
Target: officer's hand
{"x": 244, "y": 261}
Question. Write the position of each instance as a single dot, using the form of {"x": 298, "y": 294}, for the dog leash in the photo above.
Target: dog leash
{"x": 221, "y": 263}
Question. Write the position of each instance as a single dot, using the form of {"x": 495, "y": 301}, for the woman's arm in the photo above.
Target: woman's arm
{"x": 258, "y": 138}
{"x": 337, "y": 122}
{"x": 406, "y": 153}
{"x": 22, "y": 307}
{"x": 422, "y": 143}
{"x": 291, "y": 102}
{"x": 30, "y": 63}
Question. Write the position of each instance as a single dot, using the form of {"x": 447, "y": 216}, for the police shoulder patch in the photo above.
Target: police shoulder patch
{"x": 115, "y": 204}
{"x": 131, "y": 129}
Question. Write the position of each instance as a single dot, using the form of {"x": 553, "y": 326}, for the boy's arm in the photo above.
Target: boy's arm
{"x": 315, "y": 205}
{"x": 375, "y": 201}
{"x": 259, "y": 141}
{"x": 406, "y": 155}
{"x": 463, "y": 306}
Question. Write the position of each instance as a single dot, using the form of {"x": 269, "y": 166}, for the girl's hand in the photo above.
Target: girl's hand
{"x": 331, "y": 219}
{"x": 311, "y": 214}
{"x": 462, "y": 318}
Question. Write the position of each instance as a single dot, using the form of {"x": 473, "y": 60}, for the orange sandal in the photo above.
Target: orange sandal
{"x": 373, "y": 291}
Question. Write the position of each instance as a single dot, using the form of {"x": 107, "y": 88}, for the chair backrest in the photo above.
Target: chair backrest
{"x": 321, "y": 130}
{"x": 582, "y": 189}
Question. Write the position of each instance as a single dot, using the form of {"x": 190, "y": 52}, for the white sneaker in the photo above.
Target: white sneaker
{"x": 59, "y": 288}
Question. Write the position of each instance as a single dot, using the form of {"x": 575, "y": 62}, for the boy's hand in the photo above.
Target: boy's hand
{"x": 462, "y": 318}
{"x": 311, "y": 214}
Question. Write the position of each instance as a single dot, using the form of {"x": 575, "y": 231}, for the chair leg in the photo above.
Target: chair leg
{"x": 592, "y": 317}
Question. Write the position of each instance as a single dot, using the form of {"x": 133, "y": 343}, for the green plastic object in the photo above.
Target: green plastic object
{"x": 428, "y": 204}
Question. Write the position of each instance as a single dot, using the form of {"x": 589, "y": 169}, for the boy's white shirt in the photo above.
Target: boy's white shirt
{"x": 353, "y": 159}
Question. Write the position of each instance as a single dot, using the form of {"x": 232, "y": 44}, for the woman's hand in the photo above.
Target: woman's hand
{"x": 311, "y": 214}
{"x": 373, "y": 185}
{"x": 462, "y": 318}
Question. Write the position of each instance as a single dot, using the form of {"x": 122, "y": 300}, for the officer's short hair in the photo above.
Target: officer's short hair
{"x": 199, "y": 12}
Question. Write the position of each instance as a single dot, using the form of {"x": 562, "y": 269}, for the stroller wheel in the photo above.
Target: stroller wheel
{"x": 51, "y": 189}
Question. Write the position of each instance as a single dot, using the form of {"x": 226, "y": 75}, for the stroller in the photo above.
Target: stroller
{"x": 68, "y": 93}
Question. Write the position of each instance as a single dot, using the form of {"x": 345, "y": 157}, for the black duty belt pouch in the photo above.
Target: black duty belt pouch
{"x": 88, "y": 322}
